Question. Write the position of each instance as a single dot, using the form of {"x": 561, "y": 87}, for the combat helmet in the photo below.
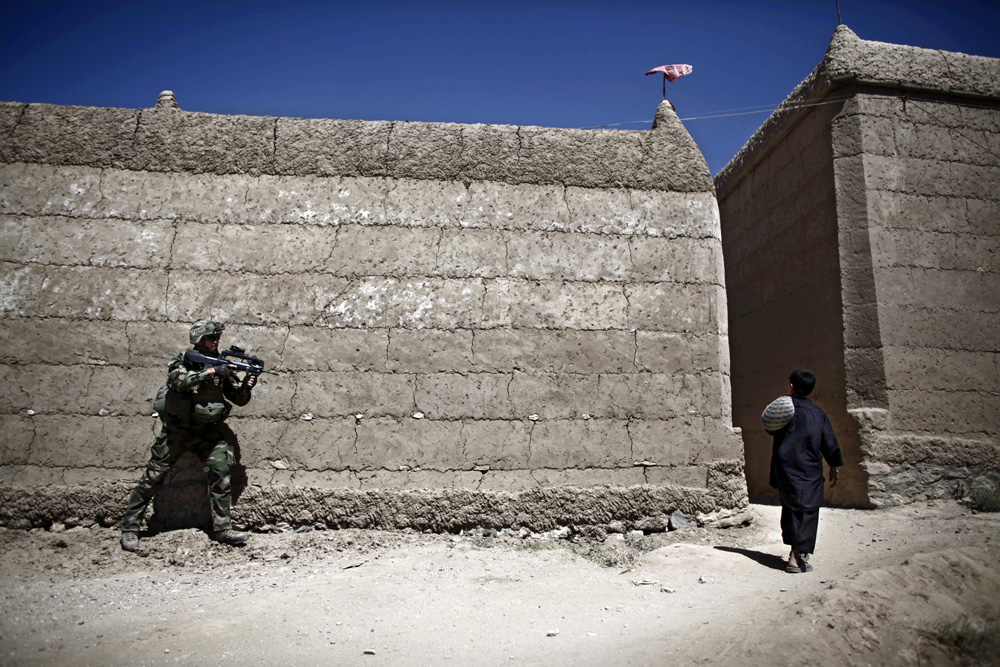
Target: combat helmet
{"x": 203, "y": 328}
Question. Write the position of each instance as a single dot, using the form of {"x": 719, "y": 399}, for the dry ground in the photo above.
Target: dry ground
{"x": 884, "y": 580}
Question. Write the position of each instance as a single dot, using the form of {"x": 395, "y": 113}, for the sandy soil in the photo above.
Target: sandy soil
{"x": 883, "y": 581}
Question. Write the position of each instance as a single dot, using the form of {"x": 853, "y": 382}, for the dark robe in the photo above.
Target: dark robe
{"x": 797, "y": 471}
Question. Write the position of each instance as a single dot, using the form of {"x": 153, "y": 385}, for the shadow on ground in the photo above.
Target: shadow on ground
{"x": 767, "y": 560}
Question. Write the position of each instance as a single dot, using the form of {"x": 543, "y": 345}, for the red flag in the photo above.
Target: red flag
{"x": 672, "y": 72}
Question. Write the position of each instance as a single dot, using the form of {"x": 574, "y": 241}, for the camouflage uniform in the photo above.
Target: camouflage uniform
{"x": 197, "y": 405}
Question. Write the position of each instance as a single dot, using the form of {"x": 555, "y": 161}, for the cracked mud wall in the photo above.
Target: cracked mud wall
{"x": 783, "y": 278}
{"x": 473, "y": 325}
{"x": 866, "y": 229}
{"x": 931, "y": 172}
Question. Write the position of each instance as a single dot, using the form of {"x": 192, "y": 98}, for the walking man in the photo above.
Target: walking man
{"x": 797, "y": 470}
{"x": 197, "y": 404}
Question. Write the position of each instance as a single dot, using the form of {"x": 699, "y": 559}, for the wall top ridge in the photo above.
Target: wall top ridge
{"x": 852, "y": 61}
{"x": 168, "y": 139}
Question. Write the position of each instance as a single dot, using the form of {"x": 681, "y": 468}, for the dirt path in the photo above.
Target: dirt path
{"x": 708, "y": 596}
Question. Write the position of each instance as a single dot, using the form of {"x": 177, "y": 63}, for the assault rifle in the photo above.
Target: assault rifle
{"x": 247, "y": 363}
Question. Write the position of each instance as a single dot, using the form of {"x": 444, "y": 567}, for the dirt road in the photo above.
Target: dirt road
{"x": 883, "y": 580}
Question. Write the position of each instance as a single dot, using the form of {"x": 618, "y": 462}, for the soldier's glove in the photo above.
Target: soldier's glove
{"x": 223, "y": 371}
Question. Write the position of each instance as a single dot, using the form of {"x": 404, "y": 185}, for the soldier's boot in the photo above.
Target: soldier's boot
{"x": 130, "y": 541}
{"x": 229, "y": 536}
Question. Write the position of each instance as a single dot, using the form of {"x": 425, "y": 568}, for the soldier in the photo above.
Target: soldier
{"x": 197, "y": 404}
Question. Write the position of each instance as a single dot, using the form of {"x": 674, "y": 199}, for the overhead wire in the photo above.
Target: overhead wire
{"x": 746, "y": 111}
{"x": 954, "y": 129}
{"x": 738, "y": 111}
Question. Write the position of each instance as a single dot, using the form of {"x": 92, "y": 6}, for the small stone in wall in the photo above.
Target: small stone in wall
{"x": 418, "y": 415}
{"x": 678, "y": 521}
{"x": 306, "y": 417}
{"x": 103, "y": 412}
{"x": 533, "y": 418}
{"x": 279, "y": 465}
{"x": 652, "y": 524}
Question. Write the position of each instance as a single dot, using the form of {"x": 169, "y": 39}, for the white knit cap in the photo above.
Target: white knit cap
{"x": 778, "y": 414}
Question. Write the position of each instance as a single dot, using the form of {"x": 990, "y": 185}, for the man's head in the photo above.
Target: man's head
{"x": 802, "y": 382}
{"x": 205, "y": 335}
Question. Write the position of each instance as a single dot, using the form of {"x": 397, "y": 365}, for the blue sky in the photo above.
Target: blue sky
{"x": 555, "y": 64}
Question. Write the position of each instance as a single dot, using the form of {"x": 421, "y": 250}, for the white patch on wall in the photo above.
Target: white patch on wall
{"x": 9, "y": 291}
{"x": 307, "y": 214}
{"x": 417, "y": 304}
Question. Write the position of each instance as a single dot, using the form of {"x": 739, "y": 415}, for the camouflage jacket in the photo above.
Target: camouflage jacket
{"x": 198, "y": 397}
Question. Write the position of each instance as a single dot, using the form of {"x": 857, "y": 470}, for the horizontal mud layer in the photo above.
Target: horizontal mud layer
{"x": 179, "y": 141}
{"x": 184, "y": 504}
{"x": 891, "y": 485}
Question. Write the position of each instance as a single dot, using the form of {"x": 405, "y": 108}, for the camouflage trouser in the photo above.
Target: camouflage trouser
{"x": 210, "y": 447}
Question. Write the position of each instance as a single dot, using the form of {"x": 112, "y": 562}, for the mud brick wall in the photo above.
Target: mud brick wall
{"x": 861, "y": 239}
{"x": 473, "y": 325}
{"x": 932, "y": 189}
{"x": 783, "y": 277}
